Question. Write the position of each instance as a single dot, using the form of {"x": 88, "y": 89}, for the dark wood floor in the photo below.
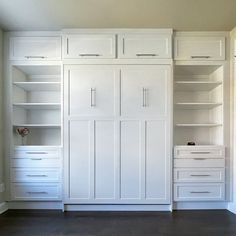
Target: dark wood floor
{"x": 178, "y": 223}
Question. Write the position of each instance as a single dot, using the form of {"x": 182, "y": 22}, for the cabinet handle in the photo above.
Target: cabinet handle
{"x": 36, "y": 175}
{"x": 146, "y": 55}
{"x": 93, "y": 97}
{"x": 67, "y": 46}
{"x": 90, "y": 55}
{"x": 36, "y": 159}
{"x": 200, "y": 192}
{"x": 195, "y": 57}
{"x": 144, "y": 98}
{"x": 36, "y": 152}
{"x": 123, "y": 46}
{"x": 32, "y": 57}
{"x": 199, "y": 159}
{"x": 200, "y": 175}
{"x": 37, "y": 192}
{"x": 200, "y": 152}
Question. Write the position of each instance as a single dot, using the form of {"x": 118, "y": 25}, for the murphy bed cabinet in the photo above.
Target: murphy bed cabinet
{"x": 110, "y": 113}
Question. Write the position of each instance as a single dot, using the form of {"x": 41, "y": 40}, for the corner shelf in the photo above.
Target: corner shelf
{"x": 39, "y": 106}
{"x": 38, "y": 86}
{"x": 196, "y": 105}
{"x": 196, "y": 85}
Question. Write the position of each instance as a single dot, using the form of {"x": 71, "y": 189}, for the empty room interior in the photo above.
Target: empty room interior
{"x": 118, "y": 117}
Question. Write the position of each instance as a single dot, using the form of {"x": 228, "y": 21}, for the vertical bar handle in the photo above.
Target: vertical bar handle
{"x": 143, "y": 103}
{"x": 93, "y": 97}
{"x": 145, "y": 93}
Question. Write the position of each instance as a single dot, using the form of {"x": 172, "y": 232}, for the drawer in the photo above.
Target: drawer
{"x": 199, "y": 163}
{"x": 199, "y": 48}
{"x": 199, "y": 175}
{"x": 89, "y": 46}
{"x": 199, "y": 151}
{"x": 35, "y": 48}
{"x": 35, "y": 192}
{"x": 35, "y": 162}
{"x": 35, "y": 175}
{"x": 37, "y": 153}
{"x": 145, "y": 46}
{"x": 199, "y": 192}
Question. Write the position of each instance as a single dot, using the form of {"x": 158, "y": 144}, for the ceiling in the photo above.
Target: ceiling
{"x": 178, "y": 14}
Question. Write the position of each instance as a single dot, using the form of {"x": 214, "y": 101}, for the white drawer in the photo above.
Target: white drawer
{"x": 37, "y": 153}
{"x": 89, "y": 46}
{"x": 199, "y": 48}
{"x": 199, "y": 192}
{"x": 199, "y": 151}
{"x": 199, "y": 175}
{"x": 199, "y": 163}
{"x": 35, "y": 175}
{"x": 35, "y": 48}
{"x": 35, "y": 162}
{"x": 35, "y": 192}
{"x": 145, "y": 46}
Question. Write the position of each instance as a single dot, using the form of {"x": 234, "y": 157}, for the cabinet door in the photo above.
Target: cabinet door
{"x": 91, "y": 90}
{"x": 144, "y": 90}
{"x": 145, "y": 46}
{"x": 199, "y": 48}
{"x": 89, "y": 46}
{"x": 35, "y": 48}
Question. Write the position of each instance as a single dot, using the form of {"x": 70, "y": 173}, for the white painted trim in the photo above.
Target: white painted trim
{"x": 117, "y": 207}
{"x": 200, "y": 205}
{"x": 201, "y": 33}
{"x": 3, "y": 207}
{"x": 36, "y": 205}
{"x": 232, "y": 207}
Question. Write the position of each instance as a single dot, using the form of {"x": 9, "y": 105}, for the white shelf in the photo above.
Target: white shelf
{"x": 199, "y": 125}
{"x": 39, "y": 86}
{"x": 196, "y": 85}
{"x": 39, "y": 106}
{"x": 197, "y": 105}
{"x": 38, "y": 125}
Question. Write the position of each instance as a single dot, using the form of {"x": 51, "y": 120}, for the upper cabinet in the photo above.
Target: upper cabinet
{"x": 35, "y": 48}
{"x": 187, "y": 47}
{"x": 89, "y": 46}
{"x": 145, "y": 46}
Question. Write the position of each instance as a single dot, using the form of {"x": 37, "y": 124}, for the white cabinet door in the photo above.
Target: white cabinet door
{"x": 35, "y": 48}
{"x": 144, "y": 90}
{"x": 199, "y": 48}
{"x": 89, "y": 46}
{"x": 145, "y": 46}
{"x": 91, "y": 90}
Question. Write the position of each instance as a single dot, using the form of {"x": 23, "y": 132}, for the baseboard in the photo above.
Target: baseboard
{"x": 35, "y": 205}
{"x": 200, "y": 205}
{"x": 3, "y": 207}
{"x": 100, "y": 207}
{"x": 232, "y": 207}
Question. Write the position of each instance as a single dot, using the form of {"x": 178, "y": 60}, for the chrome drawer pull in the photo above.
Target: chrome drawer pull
{"x": 200, "y": 192}
{"x": 89, "y": 55}
{"x": 36, "y": 175}
{"x": 200, "y": 175}
{"x": 199, "y": 159}
{"x": 93, "y": 97}
{"x": 200, "y": 152}
{"x": 206, "y": 57}
{"x": 146, "y": 55}
{"x": 29, "y": 57}
{"x": 36, "y": 153}
{"x": 37, "y": 192}
{"x": 36, "y": 159}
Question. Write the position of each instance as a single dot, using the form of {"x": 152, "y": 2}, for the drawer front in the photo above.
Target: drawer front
{"x": 35, "y": 162}
{"x": 199, "y": 192}
{"x": 54, "y": 153}
{"x": 144, "y": 46}
{"x": 199, "y": 175}
{"x": 199, "y": 151}
{"x": 89, "y": 46}
{"x": 199, "y": 48}
{"x": 199, "y": 162}
{"x": 35, "y": 192}
{"x": 35, "y": 175}
{"x": 35, "y": 48}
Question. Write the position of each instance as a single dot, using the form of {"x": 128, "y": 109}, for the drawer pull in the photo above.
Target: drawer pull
{"x": 36, "y": 153}
{"x": 146, "y": 55}
{"x": 37, "y": 192}
{"x": 200, "y": 192}
{"x": 195, "y": 57}
{"x": 36, "y": 159}
{"x": 199, "y": 159}
{"x": 200, "y": 152}
{"x": 90, "y": 55}
{"x": 200, "y": 175}
{"x": 31, "y": 57}
{"x": 36, "y": 175}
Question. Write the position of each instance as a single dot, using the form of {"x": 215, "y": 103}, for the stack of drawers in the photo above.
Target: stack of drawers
{"x": 36, "y": 173}
{"x": 199, "y": 173}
